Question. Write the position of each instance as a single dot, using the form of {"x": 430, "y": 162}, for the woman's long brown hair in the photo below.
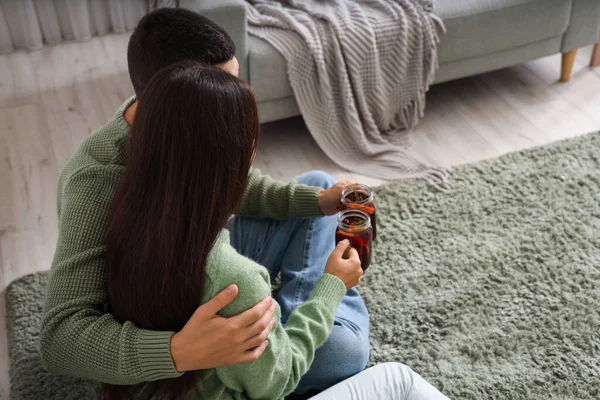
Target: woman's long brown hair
{"x": 189, "y": 153}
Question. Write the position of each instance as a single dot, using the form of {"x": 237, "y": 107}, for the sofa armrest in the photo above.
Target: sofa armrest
{"x": 584, "y": 26}
{"x": 231, "y": 15}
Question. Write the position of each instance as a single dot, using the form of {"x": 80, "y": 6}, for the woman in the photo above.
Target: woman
{"x": 189, "y": 153}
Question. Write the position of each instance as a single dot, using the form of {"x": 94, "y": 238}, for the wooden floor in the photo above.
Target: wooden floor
{"x": 51, "y": 99}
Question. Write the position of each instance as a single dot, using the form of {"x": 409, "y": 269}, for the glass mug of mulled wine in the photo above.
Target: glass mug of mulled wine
{"x": 355, "y": 225}
{"x": 359, "y": 196}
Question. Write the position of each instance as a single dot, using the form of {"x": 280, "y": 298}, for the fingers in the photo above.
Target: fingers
{"x": 341, "y": 247}
{"x": 252, "y": 355}
{"x": 346, "y": 254}
{"x": 217, "y": 303}
{"x": 353, "y": 255}
{"x": 260, "y": 325}
{"x": 355, "y": 282}
{"x": 355, "y": 259}
{"x": 252, "y": 315}
{"x": 261, "y": 337}
{"x": 345, "y": 183}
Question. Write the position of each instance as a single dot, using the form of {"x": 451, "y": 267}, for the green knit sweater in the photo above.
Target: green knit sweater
{"x": 78, "y": 336}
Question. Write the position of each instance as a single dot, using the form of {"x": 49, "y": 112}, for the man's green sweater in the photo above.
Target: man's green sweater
{"x": 78, "y": 336}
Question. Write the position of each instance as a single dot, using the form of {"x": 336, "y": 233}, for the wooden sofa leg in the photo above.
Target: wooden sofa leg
{"x": 568, "y": 59}
{"x": 596, "y": 55}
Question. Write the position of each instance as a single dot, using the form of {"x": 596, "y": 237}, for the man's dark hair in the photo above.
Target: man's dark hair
{"x": 169, "y": 35}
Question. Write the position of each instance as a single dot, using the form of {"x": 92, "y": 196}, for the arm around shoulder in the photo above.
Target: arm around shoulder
{"x": 291, "y": 350}
{"x": 78, "y": 337}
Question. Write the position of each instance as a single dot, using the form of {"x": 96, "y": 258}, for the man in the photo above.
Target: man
{"x": 80, "y": 338}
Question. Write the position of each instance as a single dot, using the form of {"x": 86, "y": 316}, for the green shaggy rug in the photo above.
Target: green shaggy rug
{"x": 490, "y": 291}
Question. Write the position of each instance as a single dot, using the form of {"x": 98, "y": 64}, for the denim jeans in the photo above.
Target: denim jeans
{"x": 388, "y": 381}
{"x": 299, "y": 249}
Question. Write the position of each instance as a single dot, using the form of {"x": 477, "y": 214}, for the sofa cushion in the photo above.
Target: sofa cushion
{"x": 474, "y": 28}
{"x": 267, "y": 71}
{"x": 479, "y": 27}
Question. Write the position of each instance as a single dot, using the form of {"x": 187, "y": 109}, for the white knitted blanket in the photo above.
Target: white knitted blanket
{"x": 359, "y": 70}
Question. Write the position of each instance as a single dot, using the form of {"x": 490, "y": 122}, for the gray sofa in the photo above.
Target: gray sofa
{"x": 482, "y": 35}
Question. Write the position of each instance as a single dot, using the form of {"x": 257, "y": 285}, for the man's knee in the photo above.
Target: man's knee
{"x": 395, "y": 370}
{"x": 317, "y": 178}
{"x": 402, "y": 375}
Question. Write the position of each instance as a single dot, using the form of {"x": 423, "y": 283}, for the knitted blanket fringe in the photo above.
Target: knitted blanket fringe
{"x": 359, "y": 70}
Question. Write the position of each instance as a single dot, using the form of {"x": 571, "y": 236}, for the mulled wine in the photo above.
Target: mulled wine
{"x": 359, "y": 196}
{"x": 355, "y": 225}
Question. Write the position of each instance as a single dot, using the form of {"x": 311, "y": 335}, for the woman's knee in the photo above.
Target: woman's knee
{"x": 347, "y": 349}
{"x": 317, "y": 178}
{"x": 355, "y": 349}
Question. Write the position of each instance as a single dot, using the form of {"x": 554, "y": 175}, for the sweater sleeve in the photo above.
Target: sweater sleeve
{"x": 291, "y": 349}
{"x": 265, "y": 197}
{"x": 78, "y": 337}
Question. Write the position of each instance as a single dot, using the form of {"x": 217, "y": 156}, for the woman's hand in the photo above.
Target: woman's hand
{"x": 345, "y": 266}
{"x": 210, "y": 341}
{"x": 330, "y": 200}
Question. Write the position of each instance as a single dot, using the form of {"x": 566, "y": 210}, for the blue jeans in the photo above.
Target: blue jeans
{"x": 299, "y": 249}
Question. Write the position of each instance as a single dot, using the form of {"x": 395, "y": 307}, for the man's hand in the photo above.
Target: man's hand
{"x": 210, "y": 341}
{"x": 330, "y": 200}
